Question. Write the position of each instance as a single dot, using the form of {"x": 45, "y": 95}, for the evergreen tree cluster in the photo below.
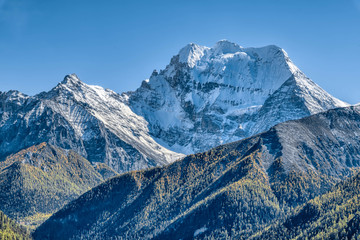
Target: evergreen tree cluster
{"x": 10, "y": 230}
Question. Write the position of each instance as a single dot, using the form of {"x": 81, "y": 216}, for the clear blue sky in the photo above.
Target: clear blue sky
{"x": 117, "y": 43}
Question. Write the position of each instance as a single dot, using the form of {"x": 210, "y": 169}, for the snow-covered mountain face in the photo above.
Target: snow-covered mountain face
{"x": 90, "y": 120}
{"x": 209, "y": 96}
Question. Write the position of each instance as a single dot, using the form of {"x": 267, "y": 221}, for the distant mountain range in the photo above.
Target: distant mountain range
{"x": 232, "y": 191}
{"x": 205, "y": 97}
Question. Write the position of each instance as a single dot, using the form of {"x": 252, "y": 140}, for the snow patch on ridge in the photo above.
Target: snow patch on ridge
{"x": 200, "y": 231}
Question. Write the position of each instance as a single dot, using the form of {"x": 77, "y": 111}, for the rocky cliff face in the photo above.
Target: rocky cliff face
{"x": 209, "y": 96}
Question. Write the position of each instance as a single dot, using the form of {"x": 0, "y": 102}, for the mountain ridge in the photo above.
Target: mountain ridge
{"x": 231, "y": 191}
{"x": 88, "y": 119}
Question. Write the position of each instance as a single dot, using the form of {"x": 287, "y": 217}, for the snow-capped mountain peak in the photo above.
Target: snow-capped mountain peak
{"x": 224, "y": 94}
{"x": 13, "y": 96}
{"x": 71, "y": 79}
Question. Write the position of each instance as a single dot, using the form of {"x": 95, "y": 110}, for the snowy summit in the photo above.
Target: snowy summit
{"x": 209, "y": 96}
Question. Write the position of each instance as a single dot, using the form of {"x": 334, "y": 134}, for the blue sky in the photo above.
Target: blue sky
{"x": 117, "y": 44}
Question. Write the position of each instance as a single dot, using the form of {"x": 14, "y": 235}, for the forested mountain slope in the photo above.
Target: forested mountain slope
{"x": 334, "y": 215}
{"x": 231, "y": 191}
{"x": 38, "y": 181}
{"x": 10, "y": 230}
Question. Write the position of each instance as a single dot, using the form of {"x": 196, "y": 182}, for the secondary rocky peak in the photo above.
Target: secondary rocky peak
{"x": 71, "y": 85}
{"x": 71, "y": 79}
{"x": 11, "y": 99}
{"x": 12, "y": 95}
